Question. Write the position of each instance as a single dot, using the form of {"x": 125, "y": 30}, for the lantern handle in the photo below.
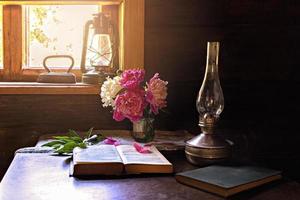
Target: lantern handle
{"x": 84, "y": 46}
{"x": 58, "y": 56}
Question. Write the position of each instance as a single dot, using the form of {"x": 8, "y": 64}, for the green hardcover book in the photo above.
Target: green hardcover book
{"x": 227, "y": 180}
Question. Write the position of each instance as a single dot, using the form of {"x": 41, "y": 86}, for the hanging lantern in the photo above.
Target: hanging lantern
{"x": 99, "y": 49}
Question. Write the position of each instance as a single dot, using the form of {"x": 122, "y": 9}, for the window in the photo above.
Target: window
{"x": 55, "y": 30}
{"x": 25, "y": 40}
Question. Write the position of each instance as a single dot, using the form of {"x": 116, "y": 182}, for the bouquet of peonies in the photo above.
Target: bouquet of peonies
{"x": 129, "y": 99}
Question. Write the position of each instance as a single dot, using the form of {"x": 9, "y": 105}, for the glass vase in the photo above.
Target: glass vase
{"x": 143, "y": 130}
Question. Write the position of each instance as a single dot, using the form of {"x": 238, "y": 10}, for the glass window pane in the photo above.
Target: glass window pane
{"x": 55, "y": 30}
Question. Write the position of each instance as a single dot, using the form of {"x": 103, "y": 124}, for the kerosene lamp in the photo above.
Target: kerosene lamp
{"x": 100, "y": 45}
{"x": 209, "y": 147}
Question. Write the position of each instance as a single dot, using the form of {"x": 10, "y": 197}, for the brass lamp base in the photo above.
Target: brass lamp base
{"x": 207, "y": 149}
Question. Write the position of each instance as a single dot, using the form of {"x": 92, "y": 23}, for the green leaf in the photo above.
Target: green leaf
{"x": 64, "y": 139}
{"x": 52, "y": 143}
{"x": 76, "y": 139}
{"x": 61, "y": 137}
{"x": 58, "y": 149}
{"x": 67, "y": 148}
{"x": 66, "y": 144}
{"x": 89, "y": 133}
{"x": 100, "y": 138}
{"x": 82, "y": 145}
{"x": 73, "y": 133}
{"x": 56, "y": 146}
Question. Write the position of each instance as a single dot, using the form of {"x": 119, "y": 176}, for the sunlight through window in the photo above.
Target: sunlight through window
{"x": 55, "y": 30}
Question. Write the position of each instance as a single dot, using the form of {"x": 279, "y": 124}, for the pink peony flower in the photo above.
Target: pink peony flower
{"x": 156, "y": 93}
{"x": 130, "y": 104}
{"x": 131, "y": 79}
{"x": 118, "y": 116}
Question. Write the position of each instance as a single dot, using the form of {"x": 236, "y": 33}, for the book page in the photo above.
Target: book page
{"x": 130, "y": 155}
{"x": 96, "y": 154}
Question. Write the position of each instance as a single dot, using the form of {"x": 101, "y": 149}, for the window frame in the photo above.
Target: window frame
{"x": 131, "y": 31}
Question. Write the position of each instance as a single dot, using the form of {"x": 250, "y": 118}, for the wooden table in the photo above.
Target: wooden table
{"x": 40, "y": 176}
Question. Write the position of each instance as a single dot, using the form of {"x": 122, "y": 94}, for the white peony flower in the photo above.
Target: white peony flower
{"x": 109, "y": 90}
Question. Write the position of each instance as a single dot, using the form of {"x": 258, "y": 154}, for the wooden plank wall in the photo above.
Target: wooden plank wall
{"x": 259, "y": 70}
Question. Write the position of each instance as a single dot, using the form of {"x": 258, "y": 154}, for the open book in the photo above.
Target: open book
{"x": 113, "y": 160}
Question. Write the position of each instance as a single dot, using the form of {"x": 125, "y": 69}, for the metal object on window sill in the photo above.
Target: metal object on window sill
{"x": 98, "y": 75}
{"x": 98, "y": 58}
{"x": 57, "y": 77}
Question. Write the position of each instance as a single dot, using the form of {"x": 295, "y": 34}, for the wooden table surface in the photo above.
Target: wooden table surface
{"x": 40, "y": 176}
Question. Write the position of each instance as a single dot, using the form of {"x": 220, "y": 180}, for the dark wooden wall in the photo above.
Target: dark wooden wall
{"x": 259, "y": 69}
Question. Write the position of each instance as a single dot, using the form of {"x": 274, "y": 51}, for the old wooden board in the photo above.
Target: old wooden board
{"x": 35, "y": 176}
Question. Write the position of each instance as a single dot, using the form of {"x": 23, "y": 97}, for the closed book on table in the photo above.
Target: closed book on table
{"x": 227, "y": 180}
